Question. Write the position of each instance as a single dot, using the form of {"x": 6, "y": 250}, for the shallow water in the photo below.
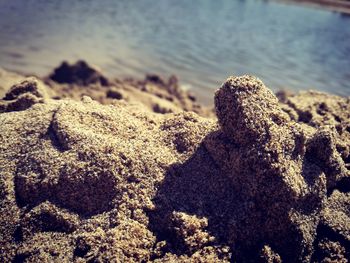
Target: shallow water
{"x": 203, "y": 42}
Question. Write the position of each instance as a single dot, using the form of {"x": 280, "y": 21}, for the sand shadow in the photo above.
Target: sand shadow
{"x": 196, "y": 187}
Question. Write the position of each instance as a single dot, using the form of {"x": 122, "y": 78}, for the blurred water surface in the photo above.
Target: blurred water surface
{"x": 201, "y": 41}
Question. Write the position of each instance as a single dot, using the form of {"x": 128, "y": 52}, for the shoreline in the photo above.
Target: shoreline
{"x": 339, "y": 6}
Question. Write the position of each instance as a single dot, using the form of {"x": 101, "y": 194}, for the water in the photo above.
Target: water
{"x": 203, "y": 42}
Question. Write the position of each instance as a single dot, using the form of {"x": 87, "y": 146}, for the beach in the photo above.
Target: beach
{"x": 289, "y": 46}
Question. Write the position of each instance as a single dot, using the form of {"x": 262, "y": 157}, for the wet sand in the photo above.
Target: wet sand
{"x": 94, "y": 169}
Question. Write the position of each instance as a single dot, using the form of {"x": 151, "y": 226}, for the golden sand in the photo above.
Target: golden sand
{"x": 101, "y": 170}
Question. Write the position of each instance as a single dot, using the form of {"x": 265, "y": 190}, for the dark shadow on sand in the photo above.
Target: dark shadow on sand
{"x": 196, "y": 187}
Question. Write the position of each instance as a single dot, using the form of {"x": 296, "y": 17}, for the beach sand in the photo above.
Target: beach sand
{"x": 106, "y": 170}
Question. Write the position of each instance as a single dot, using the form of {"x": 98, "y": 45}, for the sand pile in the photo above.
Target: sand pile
{"x": 85, "y": 182}
{"x": 158, "y": 95}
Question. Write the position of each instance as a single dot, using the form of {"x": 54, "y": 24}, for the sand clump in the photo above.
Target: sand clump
{"x": 23, "y": 95}
{"x": 79, "y": 73}
{"x": 85, "y": 182}
{"x": 291, "y": 168}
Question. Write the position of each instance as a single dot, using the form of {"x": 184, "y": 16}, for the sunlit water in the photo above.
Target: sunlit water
{"x": 203, "y": 42}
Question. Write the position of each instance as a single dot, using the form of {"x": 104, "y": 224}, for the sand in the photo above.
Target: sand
{"x": 92, "y": 171}
{"x": 155, "y": 93}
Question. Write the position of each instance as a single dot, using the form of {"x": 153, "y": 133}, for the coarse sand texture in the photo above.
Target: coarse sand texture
{"x": 116, "y": 179}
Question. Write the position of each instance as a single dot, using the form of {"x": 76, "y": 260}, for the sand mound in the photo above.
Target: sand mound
{"x": 158, "y": 95}
{"x": 86, "y": 182}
